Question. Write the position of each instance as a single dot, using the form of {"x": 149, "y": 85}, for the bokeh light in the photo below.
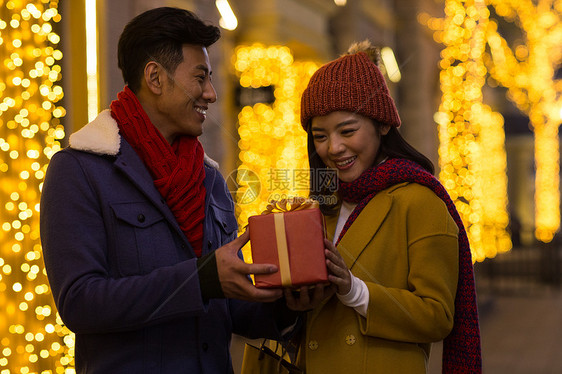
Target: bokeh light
{"x": 272, "y": 142}
{"x": 472, "y": 155}
{"x": 32, "y": 338}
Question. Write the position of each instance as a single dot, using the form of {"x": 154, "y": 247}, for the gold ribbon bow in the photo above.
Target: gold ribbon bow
{"x": 290, "y": 205}
{"x": 278, "y": 208}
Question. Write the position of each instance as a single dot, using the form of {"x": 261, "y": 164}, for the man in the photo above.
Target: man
{"x": 137, "y": 225}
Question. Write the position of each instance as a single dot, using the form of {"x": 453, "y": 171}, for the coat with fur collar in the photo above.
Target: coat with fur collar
{"x": 122, "y": 273}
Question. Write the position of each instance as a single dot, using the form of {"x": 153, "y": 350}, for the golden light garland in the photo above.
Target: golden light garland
{"x": 31, "y": 337}
{"x": 272, "y": 144}
{"x": 92, "y": 76}
{"x": 471, "y": 151}
{"x": 527, "y": 70}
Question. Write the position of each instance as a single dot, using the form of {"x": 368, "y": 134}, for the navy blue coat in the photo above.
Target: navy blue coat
{"x": 122, "y": 273}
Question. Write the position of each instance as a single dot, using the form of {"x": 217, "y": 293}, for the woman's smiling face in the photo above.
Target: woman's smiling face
{"x": 347, "y": 142}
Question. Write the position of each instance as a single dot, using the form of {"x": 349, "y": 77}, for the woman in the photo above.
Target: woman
{"x": 402, "y": 267}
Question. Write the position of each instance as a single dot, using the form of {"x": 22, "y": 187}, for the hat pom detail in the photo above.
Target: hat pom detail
{"x": 373, "y": 52}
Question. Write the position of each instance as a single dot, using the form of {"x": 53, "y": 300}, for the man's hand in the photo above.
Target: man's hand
{"x": 306, "y": 298}
{"x": 233, "y": 273}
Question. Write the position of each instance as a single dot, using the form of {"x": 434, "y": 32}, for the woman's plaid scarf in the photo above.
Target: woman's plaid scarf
{"x": 461, "y": 349}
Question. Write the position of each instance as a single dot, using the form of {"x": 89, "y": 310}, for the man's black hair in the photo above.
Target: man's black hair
{"x": 159, "y": 35}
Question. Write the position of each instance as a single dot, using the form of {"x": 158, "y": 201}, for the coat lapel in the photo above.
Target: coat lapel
{"x": 358, "y": 236}
{"x": 101, "y": 136}
{"x": 210, "y": 175}
{"x": 366, "y": 225}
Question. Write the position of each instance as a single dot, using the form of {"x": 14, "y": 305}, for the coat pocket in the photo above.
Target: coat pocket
{"x": 225, "y": 220}
{"x": 143, "y": 240}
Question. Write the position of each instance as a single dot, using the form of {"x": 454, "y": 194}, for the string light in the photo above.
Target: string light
{"x": 228, "y": 19}
{"x": 31, "y": 336}
{"x": 471, "y": 151}
{"x": 92, "y": 59}
{"x": 279, "y": 159}
{"x": 390, "y": 64}
{"x": 527, "y": 70}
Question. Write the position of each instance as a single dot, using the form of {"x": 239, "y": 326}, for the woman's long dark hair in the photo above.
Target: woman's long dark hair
{"x": 393, "y": 145}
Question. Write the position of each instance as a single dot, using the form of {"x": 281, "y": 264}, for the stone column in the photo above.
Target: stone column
{"x": 419, "y": 93}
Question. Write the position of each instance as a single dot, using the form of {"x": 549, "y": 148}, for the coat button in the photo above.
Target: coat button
{"x": 141, "y": 218}
{"x": 313, "y": 345}
{"x": 209, "y": 244}
{"x": 350, "y": 339}
{"x": 205, "y": 347}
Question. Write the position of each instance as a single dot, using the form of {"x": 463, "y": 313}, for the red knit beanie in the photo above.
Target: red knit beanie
{"x": 352, "y": 83}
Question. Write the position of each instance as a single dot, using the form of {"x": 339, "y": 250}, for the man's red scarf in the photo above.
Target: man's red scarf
{"x": 461, "y": 349}
{"x": 177, "y": 170}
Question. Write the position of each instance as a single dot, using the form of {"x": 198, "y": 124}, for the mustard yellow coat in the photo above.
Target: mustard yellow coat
{"x": 404, "y": 246}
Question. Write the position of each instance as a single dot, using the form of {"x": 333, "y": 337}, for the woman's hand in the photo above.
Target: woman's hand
{"x": 307, "y": 298}
{"x": 339, "y": 275}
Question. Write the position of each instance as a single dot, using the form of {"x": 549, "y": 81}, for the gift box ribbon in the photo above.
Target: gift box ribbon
{"x": 290, "y": 205}
{"x": 278, "y": 209}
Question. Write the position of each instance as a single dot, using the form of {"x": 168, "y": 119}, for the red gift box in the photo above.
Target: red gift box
{"x": 294, "y": 241}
